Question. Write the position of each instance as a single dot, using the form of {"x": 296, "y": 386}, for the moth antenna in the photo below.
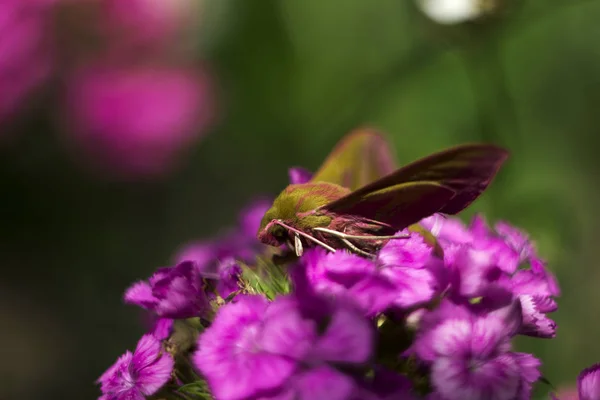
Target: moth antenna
{"x": 356, "y": 249}
{"x": 298, "y": 246}
{"x": 307, "y": 236}
{"x": 342, "y": 235}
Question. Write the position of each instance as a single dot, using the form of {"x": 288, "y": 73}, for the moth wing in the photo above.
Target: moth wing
{"x": 360, "y": 158}
{"x": 466, "y": 170}
{"x": 399, "y": 205}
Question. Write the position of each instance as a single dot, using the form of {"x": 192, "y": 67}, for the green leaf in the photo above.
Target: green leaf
{"x": 198, "y": 390}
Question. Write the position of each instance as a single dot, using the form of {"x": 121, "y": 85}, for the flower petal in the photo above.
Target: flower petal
{"x": 588, "y": 383}
{"x": 535, "y": 321}
{"x": 285, "y": 331}
{"x": 230, "y": 356}
{"x": 152, "y": 378}
{"x": 140, "y": 293}
{"x": 348, "y": 338}
{"x": 413, "y": 252}
{"x": 299, "y": 175}
{"x": 147, "y": 352}
{"x": 323, "y": 383}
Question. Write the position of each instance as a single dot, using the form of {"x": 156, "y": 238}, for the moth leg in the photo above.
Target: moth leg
{"x": 356, "y": 249}
{"x": 289, "y": 244}
{"x": 342, "y": 235}
{"x": 298, "y": 246}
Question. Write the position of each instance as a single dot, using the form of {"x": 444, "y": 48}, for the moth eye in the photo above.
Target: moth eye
{"x": 278, "y": 231}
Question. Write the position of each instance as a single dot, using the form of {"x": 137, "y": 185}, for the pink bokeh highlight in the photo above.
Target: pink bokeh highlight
{"x": 136, "y": 121}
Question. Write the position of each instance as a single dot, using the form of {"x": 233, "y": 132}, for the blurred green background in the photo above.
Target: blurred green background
{"x": 293, "y": 77}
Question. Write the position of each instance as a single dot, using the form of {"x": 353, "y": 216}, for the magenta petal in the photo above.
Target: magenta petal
{"x": 140, "y": 294}
{"x": 146, "y": 352}
{"x": 184, "y": 299}
{"x": 529, "y": 366}
{"x": 455, "y": 379}
{"x": 452, "y": 338}
{"x": 230, "y": 355}
{"x": 538, "y": 266}
{"x": 487, "y": 336}
{"x": 127, "y": 394}
{"x": 413, "y": 286}
{"x": 448, "y": 229}
{"x": 162, "y": 328}
{"x": 475, "y": 267}
{"x": 151, "y": 379}
{"x": 511, "y": 316}
{"x": 348, "y": 338}
{"x": 255, "y": 374}
{"x": 142, "y": 373}
{"x": 299, "y": 175}
{"x": 111, "y": 380}
{"x": 530, "y": 371}
{"x": 346, "y": 268}
{"x": 535, "y": 321}
{"x": 286, "y": 332}
{"x": 531, "y": 282}
{"x": 413, "y": 252}
{"x": 588, "y": 383}
{"x": 374, "y": 294}
{"x": 323, "y": 383}
{"x": 175, "y": 292}
{"x": 516, "y": 239}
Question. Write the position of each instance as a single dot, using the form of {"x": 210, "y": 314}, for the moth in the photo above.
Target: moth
{"x": 354, "y": 208}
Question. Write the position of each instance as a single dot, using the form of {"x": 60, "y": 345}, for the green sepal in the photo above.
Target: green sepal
{"x": 196, "y": 390}
{"x": 183, "y": 336}
{"x": 544, "y": 380}
{"x": 265, "y": 277}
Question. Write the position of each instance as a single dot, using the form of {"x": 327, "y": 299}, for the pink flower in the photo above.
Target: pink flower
{"x": 588, "y": 383}
{"x": 135, "y": 376}
{"x": 137, "y": 121}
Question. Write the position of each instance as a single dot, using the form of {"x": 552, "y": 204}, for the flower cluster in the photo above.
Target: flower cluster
{"x": 430, "y": 316}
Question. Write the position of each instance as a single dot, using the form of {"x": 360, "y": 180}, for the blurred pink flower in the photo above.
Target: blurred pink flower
{"x": 25, "y": 55}
{"x": 136, "y": 121}
{"x": 150, "y": 22}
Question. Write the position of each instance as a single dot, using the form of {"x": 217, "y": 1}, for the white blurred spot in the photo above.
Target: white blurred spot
{"x": 450, "y": 12}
